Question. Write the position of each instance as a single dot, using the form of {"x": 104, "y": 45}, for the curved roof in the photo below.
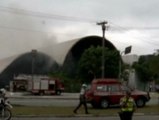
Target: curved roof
{"x": 84, "y": 43}
{"x": 60, "y": 51}
{"x": 76, "y": 47}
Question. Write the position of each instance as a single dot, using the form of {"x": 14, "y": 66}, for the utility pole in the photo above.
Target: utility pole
{"x": 103, "y": 45}
{"x": 33, "y": 53}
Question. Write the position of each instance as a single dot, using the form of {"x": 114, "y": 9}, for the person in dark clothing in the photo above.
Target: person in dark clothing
{"x": 82, "y": 99}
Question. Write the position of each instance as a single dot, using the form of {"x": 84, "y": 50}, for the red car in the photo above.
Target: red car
{"x": 106, "y": 92}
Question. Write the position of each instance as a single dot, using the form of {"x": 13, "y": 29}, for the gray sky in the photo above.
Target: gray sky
{"x": 31, "y": 24}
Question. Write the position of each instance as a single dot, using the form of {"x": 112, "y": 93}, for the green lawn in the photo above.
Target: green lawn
{"x": 68, "y": 111}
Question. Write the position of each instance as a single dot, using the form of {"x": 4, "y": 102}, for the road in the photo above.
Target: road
{"x": 44, "y": 102}
{"x": 66, "y": 99}
{"x": 149, "y": 117}
{"x": 69, "y": 99}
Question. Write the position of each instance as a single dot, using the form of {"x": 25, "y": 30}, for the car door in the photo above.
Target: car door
{"x": 115, "y": 93}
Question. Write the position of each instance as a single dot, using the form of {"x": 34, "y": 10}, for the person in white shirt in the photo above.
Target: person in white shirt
{"x": 2, "y": 96}
{"x": 82, "y": 99}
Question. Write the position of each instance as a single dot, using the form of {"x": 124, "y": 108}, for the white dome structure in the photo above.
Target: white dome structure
{"x": 65, "y": 54}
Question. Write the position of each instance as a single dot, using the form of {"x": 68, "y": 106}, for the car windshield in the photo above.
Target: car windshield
{"x": 123, "y": 88}
{"x": 102, "y": 88}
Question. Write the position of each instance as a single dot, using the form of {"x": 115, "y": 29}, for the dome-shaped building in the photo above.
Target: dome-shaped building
{"x": 59, "y": 54}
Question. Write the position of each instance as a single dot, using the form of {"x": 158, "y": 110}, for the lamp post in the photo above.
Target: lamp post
{"x": 126, "y": 51}
{"x": 103, "y": 45}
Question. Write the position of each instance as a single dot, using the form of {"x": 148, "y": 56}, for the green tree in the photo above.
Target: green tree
{"x": 154, "y": 65}
{"x": 147, "y": 68}
{"x": 91, "y": 61}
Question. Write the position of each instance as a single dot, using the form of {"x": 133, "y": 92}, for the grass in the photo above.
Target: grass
{"x": 154, "y": 109}
{"x": 68, "y": 111}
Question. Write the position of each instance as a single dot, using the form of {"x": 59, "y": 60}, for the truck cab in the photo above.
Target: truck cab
{"x": 106, "y": 92}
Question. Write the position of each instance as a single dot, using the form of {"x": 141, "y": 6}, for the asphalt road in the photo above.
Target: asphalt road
{"x": 69, "y": 99}
{"x": 66, "y": 99}
{"x": 147, "y": 117}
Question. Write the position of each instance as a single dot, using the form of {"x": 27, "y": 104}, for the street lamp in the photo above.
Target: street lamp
{"x": 126, "y": 51}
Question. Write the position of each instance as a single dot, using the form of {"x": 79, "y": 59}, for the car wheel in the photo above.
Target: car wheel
{"x": 140, "y": 102}
{"x": 104, "y": 103}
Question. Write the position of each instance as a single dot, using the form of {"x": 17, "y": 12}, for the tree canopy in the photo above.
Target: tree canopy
{"x": 91, "y": 61}
{"x": 148, "y": 68}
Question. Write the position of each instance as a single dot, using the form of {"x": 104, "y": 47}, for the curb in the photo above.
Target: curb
{"x": 73, "y": 97}
{"x": 80, "y": 115}
{"x": 42, "y": 97}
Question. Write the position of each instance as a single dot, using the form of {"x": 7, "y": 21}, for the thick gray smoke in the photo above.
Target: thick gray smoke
{"x": 28, "y": 64}
{"x": 21, "y": 33}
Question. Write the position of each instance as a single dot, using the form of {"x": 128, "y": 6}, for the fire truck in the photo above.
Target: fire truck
{"x": 38, "y": 84}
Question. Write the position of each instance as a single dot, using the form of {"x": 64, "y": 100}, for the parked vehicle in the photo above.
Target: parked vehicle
{"x": 106, "y": 92}
{"x": 37, "y": 84}
{"x": 5, "y": 107}
{"x": 157, "y": 88}
{"x": 46, "y": 85}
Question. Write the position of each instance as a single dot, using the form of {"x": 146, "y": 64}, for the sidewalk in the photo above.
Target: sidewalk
{"x": 154, "y": 94}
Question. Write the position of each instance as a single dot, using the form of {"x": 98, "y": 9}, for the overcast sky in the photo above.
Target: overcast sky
{"x": 32, "y": 24}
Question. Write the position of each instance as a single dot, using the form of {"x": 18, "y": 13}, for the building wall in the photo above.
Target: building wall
{"x": 130, "y": 59}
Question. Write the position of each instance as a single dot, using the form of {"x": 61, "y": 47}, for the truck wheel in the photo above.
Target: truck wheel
{"x": 140, "y": 102}
{"x": 104, "y": 103}
{"x": 95, "y": 105}
{"x": 58, "y": 92}
{"x": 41, "y": 93}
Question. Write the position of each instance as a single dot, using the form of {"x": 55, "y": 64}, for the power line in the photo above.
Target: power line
{"x": 21, "y": 29}
{"x": 65, "y": 18}
{"x": 29, "y": 30}
{"x": 125, "y": 29}
{"x": 45, "y": 15}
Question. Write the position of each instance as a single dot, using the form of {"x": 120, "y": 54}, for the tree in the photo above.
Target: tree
{"x": 154, "y": 65}
{"x": 147, "y": 68}
{"x": 91, "y": 61}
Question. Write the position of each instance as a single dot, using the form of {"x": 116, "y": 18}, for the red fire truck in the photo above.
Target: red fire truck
{"x": 39, "y": 84}
{"x": 46, "y": 85}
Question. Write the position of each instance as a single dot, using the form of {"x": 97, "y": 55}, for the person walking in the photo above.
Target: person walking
{"x": 128, "y": 107}
{"x": 82, "y": 99}
{"x": 2, "y": 97}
